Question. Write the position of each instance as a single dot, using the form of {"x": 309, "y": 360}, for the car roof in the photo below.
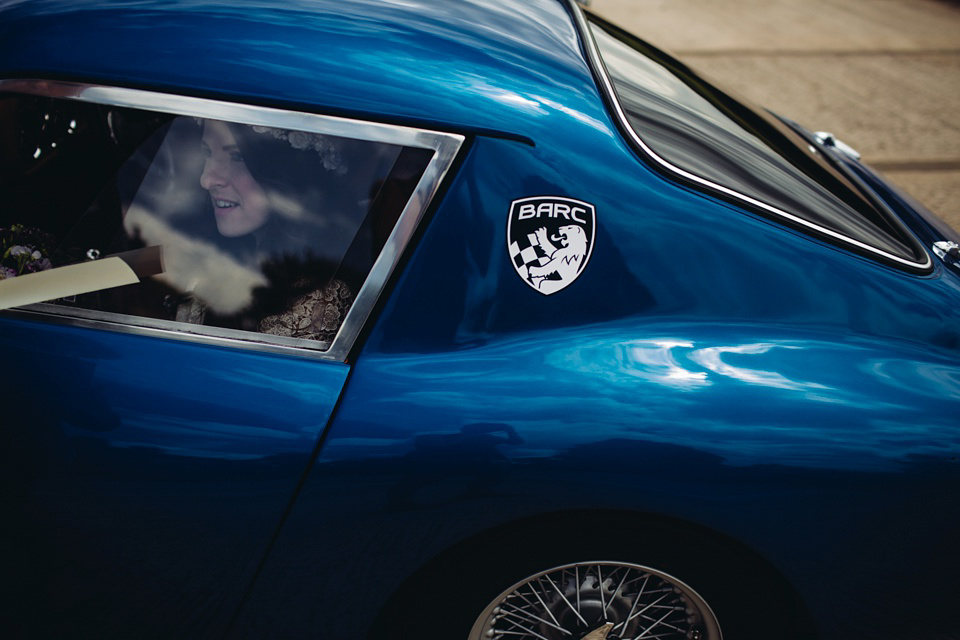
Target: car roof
{"x": 460, "y": 64}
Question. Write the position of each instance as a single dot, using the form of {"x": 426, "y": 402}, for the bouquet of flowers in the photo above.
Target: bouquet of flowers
{"x": 24, "y": 250}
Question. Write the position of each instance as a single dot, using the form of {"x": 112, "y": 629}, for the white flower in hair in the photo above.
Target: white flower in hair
{"x": 299, "y": 139}
{"x": 303, "y": 140}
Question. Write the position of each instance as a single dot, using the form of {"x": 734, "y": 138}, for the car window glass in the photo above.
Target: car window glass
{"x": 705, "y": 133}
{"x": 240, "y": 229}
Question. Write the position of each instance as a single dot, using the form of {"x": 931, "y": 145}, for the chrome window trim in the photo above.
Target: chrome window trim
{"x": 595, "y": 61}
{"x": 444, "y": 145}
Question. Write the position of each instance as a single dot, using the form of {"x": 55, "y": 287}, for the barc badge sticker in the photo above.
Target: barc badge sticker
{"x": 550, "y": 239}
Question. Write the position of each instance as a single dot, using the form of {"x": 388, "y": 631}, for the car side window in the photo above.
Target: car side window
{"x": 702, "y": 135}
{"x": 233, "y": 229}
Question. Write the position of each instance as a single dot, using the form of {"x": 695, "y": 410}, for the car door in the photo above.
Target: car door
{"x": 169, "y": 369}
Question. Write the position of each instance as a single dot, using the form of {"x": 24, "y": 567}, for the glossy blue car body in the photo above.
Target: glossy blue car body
{"x": 774, "y": 398}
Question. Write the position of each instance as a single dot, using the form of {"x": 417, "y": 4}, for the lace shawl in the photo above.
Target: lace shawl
{"x": 315, "y": 315}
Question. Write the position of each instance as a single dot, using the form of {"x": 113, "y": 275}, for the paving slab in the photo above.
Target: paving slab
{"x": 883, "y": 75}
{"x": 686, "y": 26}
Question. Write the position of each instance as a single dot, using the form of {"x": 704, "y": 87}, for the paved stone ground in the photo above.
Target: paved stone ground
{"x": 883, "y": 75}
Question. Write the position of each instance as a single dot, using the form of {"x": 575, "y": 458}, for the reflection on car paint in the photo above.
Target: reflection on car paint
{"x": 740, "y": 403}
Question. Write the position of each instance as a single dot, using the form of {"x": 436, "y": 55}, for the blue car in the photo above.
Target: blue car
{"x": 455, "y": 320}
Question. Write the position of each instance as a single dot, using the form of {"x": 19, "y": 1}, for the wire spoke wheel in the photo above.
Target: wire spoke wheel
{"x": 598, "y": 601}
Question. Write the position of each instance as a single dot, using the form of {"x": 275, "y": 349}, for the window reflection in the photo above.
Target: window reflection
{"x": 706, "y": 134}
{"x": 255, "y": 223}
{"x": 261, "y": 229}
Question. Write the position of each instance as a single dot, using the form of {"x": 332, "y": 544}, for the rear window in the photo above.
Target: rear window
{"x": 699, "y": 133}
{"x": 225, "y": 221}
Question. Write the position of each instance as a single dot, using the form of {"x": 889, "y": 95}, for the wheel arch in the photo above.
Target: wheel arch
{"x": 502, "y": 555}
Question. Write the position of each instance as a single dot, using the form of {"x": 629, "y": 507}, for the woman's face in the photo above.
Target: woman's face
{"x": 239, "y": 202}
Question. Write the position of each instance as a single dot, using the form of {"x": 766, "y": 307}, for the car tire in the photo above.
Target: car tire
{"x": 600, "y": 601}
{"x": 723, "y": 589}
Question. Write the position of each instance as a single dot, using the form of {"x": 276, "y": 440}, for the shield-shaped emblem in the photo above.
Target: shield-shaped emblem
{"x": 550, "y": 240}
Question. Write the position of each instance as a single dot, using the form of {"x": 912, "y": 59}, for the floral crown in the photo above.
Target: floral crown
{"x": 305, "y": 141}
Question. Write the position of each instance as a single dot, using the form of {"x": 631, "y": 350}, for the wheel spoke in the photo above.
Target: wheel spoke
{"x": 525, "y": 632}
{"x": 540, "y": 600}
{"x": 617, "y": 591}
{"x": 517, "y": 612}
{"x": 636, "y": 601}
{"x": 642, "y": 611}
{"x": 565, "y": 603}
{"x": 654, "y": 626}
{"x": 564, "y": 598}
{"x": 600, "y": 589}
{"x": 576, "y": 581}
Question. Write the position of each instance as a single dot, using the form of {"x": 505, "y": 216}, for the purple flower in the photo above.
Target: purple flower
{"x": 23, "y": 249}
{"x": 39, "y": 265}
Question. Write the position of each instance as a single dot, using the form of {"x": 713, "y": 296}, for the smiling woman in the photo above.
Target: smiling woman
{"x": 239, "y": 202}
{"x": 262, "y": 229}
{"x": 268, "y": 187}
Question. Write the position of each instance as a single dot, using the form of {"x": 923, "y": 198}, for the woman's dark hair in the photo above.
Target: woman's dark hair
{"x": 303, "y": 176}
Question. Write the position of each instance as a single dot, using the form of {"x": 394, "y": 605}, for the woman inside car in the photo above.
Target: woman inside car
{"x": 267, "y": 193}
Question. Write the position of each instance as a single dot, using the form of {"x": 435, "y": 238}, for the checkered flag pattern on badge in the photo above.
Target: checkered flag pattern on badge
{"x": 550, "y": 240}
{"x": 526, "y": 251}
